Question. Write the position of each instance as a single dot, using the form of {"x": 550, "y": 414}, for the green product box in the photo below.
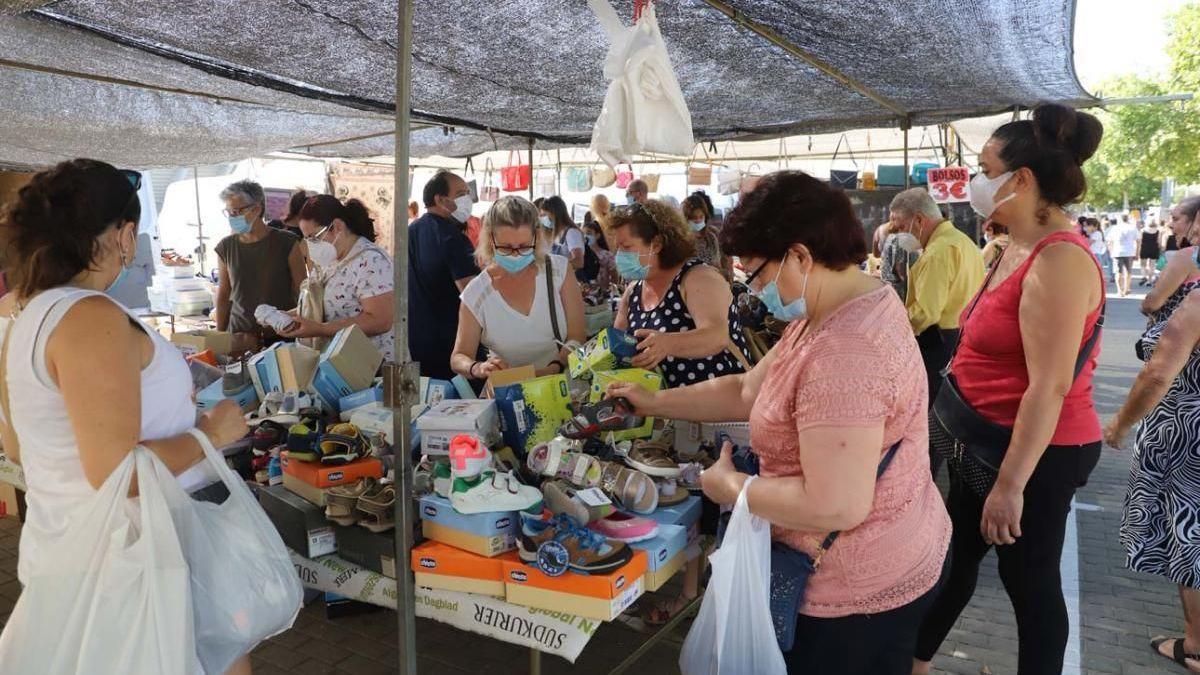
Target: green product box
{"x": 610, "y": 350}
{"x": 532, "y": 410}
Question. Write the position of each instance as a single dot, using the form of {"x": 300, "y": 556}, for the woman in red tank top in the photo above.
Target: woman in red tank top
{"x": 1015, "y": 365}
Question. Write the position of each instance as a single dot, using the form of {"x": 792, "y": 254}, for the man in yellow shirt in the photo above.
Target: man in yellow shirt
{"x": 943, "y": 281}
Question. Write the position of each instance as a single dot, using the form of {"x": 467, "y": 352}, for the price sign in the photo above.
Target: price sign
{"x": 949, "y": 184}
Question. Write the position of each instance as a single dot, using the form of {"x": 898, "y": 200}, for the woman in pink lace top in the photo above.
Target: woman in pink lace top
{"x": 843, "y": 385}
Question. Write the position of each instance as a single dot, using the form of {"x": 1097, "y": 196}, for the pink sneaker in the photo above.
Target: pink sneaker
{"x": 626, "y": 528}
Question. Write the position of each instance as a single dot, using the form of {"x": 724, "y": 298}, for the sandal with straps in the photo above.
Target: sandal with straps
{"x": 341, "y": 502}
{"x": 379, "y": 507}
{"x": 1177, "y": 653}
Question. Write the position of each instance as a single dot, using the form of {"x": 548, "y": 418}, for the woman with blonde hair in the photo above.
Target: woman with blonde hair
{"x": 509, "y": 307}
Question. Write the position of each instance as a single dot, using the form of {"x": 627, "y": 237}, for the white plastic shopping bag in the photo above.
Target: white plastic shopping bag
{"x": 733, "y": 633}
{"x": 244, "y": 585}
{"x": 113, "y": 596}
{"x": 644, "y": 109}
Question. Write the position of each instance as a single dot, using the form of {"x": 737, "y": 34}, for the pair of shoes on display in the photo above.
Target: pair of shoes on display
{"x": 613, "y": 414}
{"x": 287, "y": 407}
{"x": 481, "y": 484}
{"x": 652, "y": 458}
{"x": 310, "y": 441}
{"x": 370, "y": 502}
{"x": 559, "y": 544}
{"x": 235, "y": 381}
{"x": 626, "y": 488}
{"x": 271, "y": 317}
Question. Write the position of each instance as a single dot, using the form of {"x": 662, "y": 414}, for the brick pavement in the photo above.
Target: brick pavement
{"x": 1119, "y": 610}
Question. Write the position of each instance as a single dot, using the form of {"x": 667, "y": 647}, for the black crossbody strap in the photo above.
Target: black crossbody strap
{"x": 553, "y": 306}
{"x": 883, "y": 465}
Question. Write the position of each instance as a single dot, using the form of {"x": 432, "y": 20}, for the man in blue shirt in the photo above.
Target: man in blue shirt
{"x": 441, "y": 262}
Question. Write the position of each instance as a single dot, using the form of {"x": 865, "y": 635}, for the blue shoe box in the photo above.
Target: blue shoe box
{"x": 266, "y": 367}
{"x": 438, "y": 509}
{"x": 434, "y": 390}
{"x": 210, "y": 396}
{"x": 330, "y": 386}
{"x": 359, "y": 399}
{"x": 669, "y": 541}
{"x": 685, "y": 513}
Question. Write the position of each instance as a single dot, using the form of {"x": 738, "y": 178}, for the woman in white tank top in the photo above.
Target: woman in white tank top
{"x": 507, "y": 308}
{"x": 84, "y": 382}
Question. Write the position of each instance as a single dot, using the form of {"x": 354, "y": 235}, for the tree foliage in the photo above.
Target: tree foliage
{"x": 1144, "y": 144}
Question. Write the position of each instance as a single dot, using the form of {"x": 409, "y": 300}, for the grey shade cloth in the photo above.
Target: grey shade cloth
{"x": 534, "y": 68}
{"x": 258, "y": 274}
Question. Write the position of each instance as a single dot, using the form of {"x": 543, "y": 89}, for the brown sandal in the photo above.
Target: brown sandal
{"x": 1177, "y": 653}
{"x": 341, "y": 502}
{"x": 379, "y": 507}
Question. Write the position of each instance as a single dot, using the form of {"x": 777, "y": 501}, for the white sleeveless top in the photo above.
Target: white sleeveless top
{"x": 57, "y": 486}
{"x": 519, "y": 339}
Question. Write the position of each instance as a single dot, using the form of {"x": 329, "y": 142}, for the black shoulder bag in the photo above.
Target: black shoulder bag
{"x": 972, "y": 445}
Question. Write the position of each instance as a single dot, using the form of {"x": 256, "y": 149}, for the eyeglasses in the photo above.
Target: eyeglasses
{"x": 233, "y": 213}
{"x": 750, "y": 279}
{"x": 512, "y": 250}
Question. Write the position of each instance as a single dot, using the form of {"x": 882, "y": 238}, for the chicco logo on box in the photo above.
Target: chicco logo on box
{"x": 518, "y": 575}
{"x": 430, "y": 511}
{"x": 428, "y": 563}
{"x": 336, "y": 475}
{"x": 620, "y": 582}
{"x": 503, "y": 523}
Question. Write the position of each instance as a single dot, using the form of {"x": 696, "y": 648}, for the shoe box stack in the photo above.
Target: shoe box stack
{"x": 176, "y": 290}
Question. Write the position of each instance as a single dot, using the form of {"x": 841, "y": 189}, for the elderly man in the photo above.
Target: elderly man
{"x": 258, "y": 265}
{"x": 441, "y": 262}
{"x": 637, "y": 192}
{"x": 941, "y": 283}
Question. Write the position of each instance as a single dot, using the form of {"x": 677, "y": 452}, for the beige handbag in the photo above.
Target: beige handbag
{"x": 699, "y": 174}
{"x": 312, "y": 301}
{"x": 651, "y": 180}
{"x": 603, "y": 176}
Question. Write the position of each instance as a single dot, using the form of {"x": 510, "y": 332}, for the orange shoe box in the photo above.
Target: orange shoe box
{"x": 319, "y": 475}
{"x": 437, "y": 565}
{"x": 595, "y": 596}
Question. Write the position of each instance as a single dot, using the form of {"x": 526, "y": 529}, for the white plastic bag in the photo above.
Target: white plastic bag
{"x": 733, "y": 633}
{"x": 644, "y": 109}
{"x": 113, "y": 596}
{"x": 244, "y": 586}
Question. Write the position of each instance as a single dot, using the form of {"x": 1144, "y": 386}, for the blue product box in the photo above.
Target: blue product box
{"x": 669, "y": 541}
{"x": 685, "y": 514}
{"x": 438, "y": 509}
{"x": 210, "y": 396}
{"x": 330, "y": 386}
{"x": 360, "y": 398}
{"x": 463, "y": 387}
{"x": 266, "y": 369}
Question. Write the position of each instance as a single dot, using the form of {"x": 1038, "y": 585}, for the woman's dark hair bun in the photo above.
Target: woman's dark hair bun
{"x": 323, "y": 209}
{"x": 1077, "y": 132}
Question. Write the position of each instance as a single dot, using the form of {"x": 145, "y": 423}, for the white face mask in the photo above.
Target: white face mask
{"x": 462, "y": 209}
{"x": 983, "y": 192}
{"x": 908, "y": 242}
{"x": 323, "y": 254}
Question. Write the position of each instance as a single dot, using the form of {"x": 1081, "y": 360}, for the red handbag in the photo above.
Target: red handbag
{"x": 515, "y": 177}
{"x": 624, "y": 176}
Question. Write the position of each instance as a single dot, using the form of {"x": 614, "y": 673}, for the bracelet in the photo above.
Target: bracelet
{"x": 471, "y": 370}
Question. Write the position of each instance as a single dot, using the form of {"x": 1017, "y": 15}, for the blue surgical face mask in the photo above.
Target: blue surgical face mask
{"x": 629, "y": 265}
{"x": 120, "y": 275}
{"x": 239, "y": 224}
{"x": 795, "y": 310}
{"x": 630, "y": 200}
{"x": 697, "y": 225}
{"x": 514, "y": 263}
{"x": 546, "y": 222}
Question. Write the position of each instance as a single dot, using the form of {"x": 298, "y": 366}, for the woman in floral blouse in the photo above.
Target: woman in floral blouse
{"x": 357, "y": 274}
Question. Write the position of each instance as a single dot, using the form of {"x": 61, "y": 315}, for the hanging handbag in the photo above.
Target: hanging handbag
{"x": 920, "y": 170}
{"x": 750, "y": 178}
{"x": 624, "y": 176}
{"x": 729, "y": 178}
{"x": 868, "y": 176}
{"x": 791, "y": 569}
{"x": 546, "y": 184}
{"x": 843, "y": 178}
{"x": 603, "y": 176}
{"x": 489, "y": 192}
{"x": 515, "y": 177}
{"x": 579, "y": 179}
{"x": 972, "y": 445}
{"x": 472, "y": 184}
{"x": 651, "y": 180}
{"x": 699, "y": 175}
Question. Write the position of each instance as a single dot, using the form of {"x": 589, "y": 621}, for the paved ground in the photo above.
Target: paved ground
{"x": 1116, "y": 611}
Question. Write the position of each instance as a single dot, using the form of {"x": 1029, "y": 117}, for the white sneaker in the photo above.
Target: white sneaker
{"x": 468, "y": 457}
{"x": 266, "y": 315}
{"x": 493, "y": 493}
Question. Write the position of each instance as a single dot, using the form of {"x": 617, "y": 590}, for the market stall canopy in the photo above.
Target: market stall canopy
{"x": 526, "y": 69}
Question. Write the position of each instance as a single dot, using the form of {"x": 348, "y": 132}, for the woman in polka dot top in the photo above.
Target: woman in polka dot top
{"x": 680, "y": 309}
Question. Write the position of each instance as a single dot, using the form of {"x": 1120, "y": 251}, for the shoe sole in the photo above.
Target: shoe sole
{"x": 630, "y": 540}
{"x": 559, "y": 502}
{"x": 656, "y": 471}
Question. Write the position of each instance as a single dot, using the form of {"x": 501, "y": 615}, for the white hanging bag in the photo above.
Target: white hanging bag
{"x": 733, "y": 634}
{"x": 113, "y": 595}
{"x": 644, "y": 109}
{"x": 244, "y": 585}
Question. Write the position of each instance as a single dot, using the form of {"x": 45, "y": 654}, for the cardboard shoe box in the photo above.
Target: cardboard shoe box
{"x": 596, "y": 596}
{"x": 311, "y": 493}
{"x": 685, "y": 514}
{"x": 437, "y": 565}
{"x": 669, "y": 541}
{"x": 301, "y": 524}
{"x": 219, "y": 342}
{"x": 485, "y": 534}
{"x": 449, "y": 418}
{"x": 530, "y": 411}
{"x": 297, "y": 365}
{"x": 488, "y": 546}
{"x": 375, "y": 551}
{"x": 322, "y": 476}
{"x": 208, "y": 397}
{"x": 659, "y": 577}
{"x": 346, "y": 366}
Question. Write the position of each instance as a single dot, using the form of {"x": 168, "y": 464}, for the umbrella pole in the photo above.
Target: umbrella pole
{"x": 907, "y": 178}
{"x": 532, "y": 173}
{"x": 402, "y": 379}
